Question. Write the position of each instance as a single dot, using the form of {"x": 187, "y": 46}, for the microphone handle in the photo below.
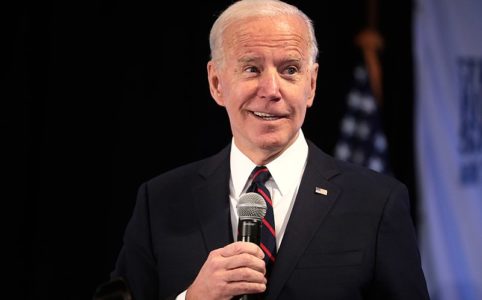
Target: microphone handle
{"x": 249, "y": 230}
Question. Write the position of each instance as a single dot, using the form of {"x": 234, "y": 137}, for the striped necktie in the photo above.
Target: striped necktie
{"x": 259, "y": 176}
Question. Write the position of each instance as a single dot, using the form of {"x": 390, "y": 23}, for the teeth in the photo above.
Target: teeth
{"x": 263, "y": 115}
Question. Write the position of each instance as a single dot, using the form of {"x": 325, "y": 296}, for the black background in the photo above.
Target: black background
{"x": 101, "y": 95}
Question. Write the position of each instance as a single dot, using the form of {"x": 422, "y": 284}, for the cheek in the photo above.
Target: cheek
{"x": 301, "y": 113}
{"x": 232, "y": 102}
{"x": 239, "y": 94}
{"x": 299, "y": 98}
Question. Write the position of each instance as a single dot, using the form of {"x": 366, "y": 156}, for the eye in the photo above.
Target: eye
{"x": 251, "y": 69}
{"x": 291, "y": 70}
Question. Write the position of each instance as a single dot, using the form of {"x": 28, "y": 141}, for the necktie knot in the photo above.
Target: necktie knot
{"x": 260, "y": 174}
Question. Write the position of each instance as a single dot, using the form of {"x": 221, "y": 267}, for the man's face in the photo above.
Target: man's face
{"x": 265, "y": 82}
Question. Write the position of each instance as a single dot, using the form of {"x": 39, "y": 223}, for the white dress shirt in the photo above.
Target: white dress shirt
{"x": 286, "y": 172}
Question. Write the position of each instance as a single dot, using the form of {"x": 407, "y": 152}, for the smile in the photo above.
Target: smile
{"x": 265, "y": 116}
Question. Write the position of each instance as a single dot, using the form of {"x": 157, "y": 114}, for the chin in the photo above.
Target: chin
{"x": 272, "y": 143}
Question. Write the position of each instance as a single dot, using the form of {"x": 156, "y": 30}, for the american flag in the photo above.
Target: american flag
{"x": 362, "y": 140}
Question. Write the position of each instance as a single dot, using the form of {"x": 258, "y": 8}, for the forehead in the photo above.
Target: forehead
{"x": 287, "y": 33}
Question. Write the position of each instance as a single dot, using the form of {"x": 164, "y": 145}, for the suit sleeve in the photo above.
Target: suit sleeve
{"x": 398, "y": 271}
{"x": 136, "y": 262}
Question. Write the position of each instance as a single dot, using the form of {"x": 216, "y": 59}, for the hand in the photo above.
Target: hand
{"x": 235, "y": 269}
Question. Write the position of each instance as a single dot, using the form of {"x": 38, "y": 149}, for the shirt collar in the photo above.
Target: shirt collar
{"x": 285, "y": 170}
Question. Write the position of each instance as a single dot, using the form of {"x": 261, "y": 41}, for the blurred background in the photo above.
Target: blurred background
{"x": 100, "y": 96}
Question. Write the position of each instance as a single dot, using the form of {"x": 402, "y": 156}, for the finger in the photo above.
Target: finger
{"x": 244, "y": 287}
{"x": 242, "y": 247}
{"x": 245, "y": 260}
{"x": 245, "y": 275}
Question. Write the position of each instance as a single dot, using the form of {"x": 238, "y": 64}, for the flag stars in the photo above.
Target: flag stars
{"x": 342, "y": 151}
{"x": 368, "y": 105}
{"x": 363, "y": 130}
{"x": 361, "y": 74}
{"x": 380, "y": 142}
{"x": 362, "y": 140}
{"x": 354, "y": 99}
{"x": 348, "y": 125}
{"x": 375, "y": 163}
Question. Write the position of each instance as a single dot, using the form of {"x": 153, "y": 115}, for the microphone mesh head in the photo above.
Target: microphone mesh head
{"x": 251, "y": 206}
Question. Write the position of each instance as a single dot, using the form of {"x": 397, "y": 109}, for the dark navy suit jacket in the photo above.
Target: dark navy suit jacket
{"x": 356, "y": 242}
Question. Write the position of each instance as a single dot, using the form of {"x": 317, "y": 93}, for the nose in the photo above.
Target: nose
{"x": 269, "y": 85}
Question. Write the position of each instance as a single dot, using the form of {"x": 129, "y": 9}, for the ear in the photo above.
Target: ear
{"x": 215, "y": 83}
{"x": 314, "y": 76}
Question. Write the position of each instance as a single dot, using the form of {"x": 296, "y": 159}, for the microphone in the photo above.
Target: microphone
{"x": 251, "y": 210}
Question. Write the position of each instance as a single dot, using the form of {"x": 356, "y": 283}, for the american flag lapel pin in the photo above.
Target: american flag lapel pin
{"x": 321, "y": 191}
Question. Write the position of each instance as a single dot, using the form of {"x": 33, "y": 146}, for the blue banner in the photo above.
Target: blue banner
{"x": 448, "y": 85}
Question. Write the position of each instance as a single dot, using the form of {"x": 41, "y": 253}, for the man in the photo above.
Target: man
{"x": 342, "y": 231}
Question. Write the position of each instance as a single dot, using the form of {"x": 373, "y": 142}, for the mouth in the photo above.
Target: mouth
{"x": 265, "y": 116}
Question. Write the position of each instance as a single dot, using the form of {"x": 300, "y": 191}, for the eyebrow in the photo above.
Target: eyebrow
{"x": 295, "y": 60}
{"x": 247, "y": 59}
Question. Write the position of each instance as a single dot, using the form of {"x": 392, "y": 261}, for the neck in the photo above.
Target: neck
{"x": 262, "y": 155}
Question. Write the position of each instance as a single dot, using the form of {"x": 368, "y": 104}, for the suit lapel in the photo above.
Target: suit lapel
{"x": 309, "y": 210}
{"x": 212, "y": 201}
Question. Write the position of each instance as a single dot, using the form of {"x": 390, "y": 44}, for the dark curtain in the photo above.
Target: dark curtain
{"x": 101, "y": 95}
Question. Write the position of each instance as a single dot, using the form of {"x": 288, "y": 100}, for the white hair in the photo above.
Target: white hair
{"x": 256, "y": 8}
